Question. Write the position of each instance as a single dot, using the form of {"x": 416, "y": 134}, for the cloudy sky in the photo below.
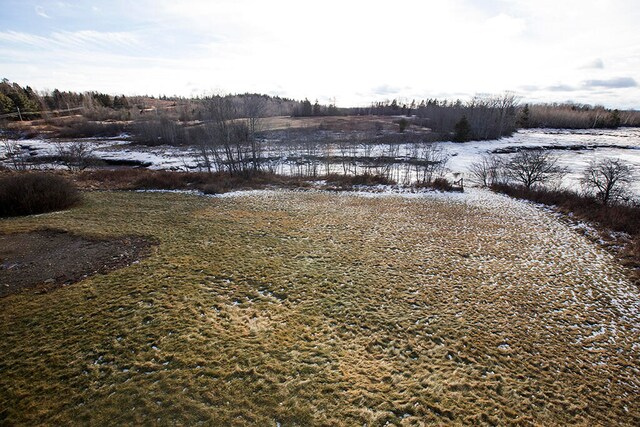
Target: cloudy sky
{"x": 348, "y": 50}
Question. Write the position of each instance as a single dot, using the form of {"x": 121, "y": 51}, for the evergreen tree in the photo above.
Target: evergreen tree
{"x": 403, "y": 123}
{"x": 55, "y": 100}
{"x": 103, "y": 99}
{"x": 523, "y": 121}
{"x": 6, "y": 104}
{"x": 120, "y": 102}
{"x": 462, "y": 130}
{"x": 22, "y": 101}
{"x": 614, "y": 119}
{"x": 317, "y": 109}
{"x": 307, "y": 109}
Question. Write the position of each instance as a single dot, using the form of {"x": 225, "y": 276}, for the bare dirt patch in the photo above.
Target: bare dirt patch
{"x": 49, "y": 258}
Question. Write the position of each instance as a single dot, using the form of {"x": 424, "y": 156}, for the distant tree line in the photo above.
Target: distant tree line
{"x": 58, "y": 100}
{"x": 170, "y": 119}
{"x": 488, "y": 117}
{"x": 306, "y": 109}
{"x": 14, "y": 97}
{"x": 575, "y": 116}
{"x": 187, "y": 121}
{"x": 389, "y": 108}
{"x": 196, "y": 108}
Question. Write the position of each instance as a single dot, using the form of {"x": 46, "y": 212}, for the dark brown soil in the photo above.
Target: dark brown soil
{"x": 47, "y": 259}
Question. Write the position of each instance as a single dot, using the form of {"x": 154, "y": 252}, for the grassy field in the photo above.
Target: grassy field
{"x": 285, "y": 308}
{"x": 335, "y": 123}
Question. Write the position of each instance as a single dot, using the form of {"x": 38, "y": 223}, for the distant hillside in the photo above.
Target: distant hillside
{"x": 179, "y": 120}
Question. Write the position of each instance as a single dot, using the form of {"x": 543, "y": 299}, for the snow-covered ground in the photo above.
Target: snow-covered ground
{"x": 575, "y": 149}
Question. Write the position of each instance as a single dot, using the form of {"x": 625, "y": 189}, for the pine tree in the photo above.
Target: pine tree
{"x": 307, "y": 109}
{"x": 6, "y": 104}
{"x": 614, "y": 119}
{"x": 317, "y": 110}
{"x": 462, "y": 130}
{"x": 523, "y": 121}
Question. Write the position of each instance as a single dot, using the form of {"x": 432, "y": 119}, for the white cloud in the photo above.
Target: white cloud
{"x": 81, "y": 40}
{"x": 505, "y": 25}
{"x": 345, "y": 48}
{"x": 597, "y": 64}
{"x": 614, "y": 83}
{"x": 40, "y": 12}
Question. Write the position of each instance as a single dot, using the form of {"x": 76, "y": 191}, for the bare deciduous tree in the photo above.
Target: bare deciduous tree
{"x": 533, "y": 167}
{"x": 227, "y": 143}
{"x": 76, "y": 155}
{"x": 255, "y": 109}
{"x": 487, "y": 171}
{"x": 506, "y": 104}
{"x": 431, "y": 161}
{"x": 17, "y": 156}
{"x": 607, "y": 179}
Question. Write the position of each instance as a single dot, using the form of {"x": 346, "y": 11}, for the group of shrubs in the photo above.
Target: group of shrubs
{"x": 208, "y": 183}
{"x": 29, "y": 193}
{"x": 221, "y": 182}
{"x": 534, "y": 175}
{"x": 341, "y": 181}
{"x": 605, "y": 180}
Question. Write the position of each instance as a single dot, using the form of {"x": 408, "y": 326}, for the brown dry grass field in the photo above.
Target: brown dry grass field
{"x": 332, "y": 123}
{"x": 372, "y": 124}
{"x": 314, "y": 308}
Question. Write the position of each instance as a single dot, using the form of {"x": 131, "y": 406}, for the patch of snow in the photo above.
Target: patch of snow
{"x": 190, "y": 192}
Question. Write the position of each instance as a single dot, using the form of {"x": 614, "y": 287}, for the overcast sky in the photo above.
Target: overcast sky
{"x": 349, "y": 50}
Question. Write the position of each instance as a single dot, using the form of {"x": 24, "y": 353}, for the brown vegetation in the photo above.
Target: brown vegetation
{"x": 345, "y": 182}
{"x": 208, "y": 183}
{"x": 325, "y": 309}
{"x": 221, "y": 182}
{"x": 170, "y": 120}
{"x": 28, "y": 193}
{"x": 575, "y": 116}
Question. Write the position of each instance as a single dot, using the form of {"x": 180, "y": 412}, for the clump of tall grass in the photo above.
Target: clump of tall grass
{"x": 35, "y": 193}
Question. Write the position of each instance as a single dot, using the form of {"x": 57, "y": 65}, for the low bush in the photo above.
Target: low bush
{"x": 222, "y": 182}
{"x": 209, "y": 183}
{"x": 624, "y": 218}
{"x": 442, "y": 184}
{"x": 83, "y": 128}
{"x": 108, "y": 179}
{"x": 34, "y": 193}
{"x": 363, "y": 179}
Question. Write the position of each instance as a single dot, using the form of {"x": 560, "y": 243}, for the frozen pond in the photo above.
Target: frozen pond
{"x": 574, "y": 148}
